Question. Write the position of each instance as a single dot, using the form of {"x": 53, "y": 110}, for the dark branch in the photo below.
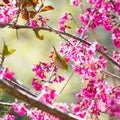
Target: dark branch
{"x": 30, "y": 99}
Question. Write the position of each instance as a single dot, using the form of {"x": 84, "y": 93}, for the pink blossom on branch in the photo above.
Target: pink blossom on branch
{"x": 20, "y": 109}
{"x": 117, "y": 6}
{"x": 98, "y": 96}
{"x": 33, "y": 23}
{"x": 76, "y": 109}
{"x": 116, "y": 56}
{"x": 75, "y": 2}
{"x": 39, "y": 71}
{"x": 6, "y": 73}
{"x": 62, "y": 106}
{"x": 8, "y": 12}
{"x": 36, "y": 84}
{"x": 62, "y": 22}
{"x": 35, "y": 114}
{"x": 84, "y": 61}
{"x": 116, "y": 38}
{"x": 48, "y": 95}
{"x": 8, "y": 117}
{"x": 43, "y": 20}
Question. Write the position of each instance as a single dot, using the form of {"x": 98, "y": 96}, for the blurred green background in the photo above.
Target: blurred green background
{"x": 30, "y": 50}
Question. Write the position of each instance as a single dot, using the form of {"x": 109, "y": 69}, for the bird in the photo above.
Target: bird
{"x": 59, "y": 60}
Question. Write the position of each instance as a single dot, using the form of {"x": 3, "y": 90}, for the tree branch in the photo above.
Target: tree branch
{"x": 6, "y": 104}
{"x": 30, "y": 99}
{"x": 111, "y": 74}
{"x": 17, "y": 26}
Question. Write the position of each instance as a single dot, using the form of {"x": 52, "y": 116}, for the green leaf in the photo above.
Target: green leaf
{"x": 40, "y": 37}
{"x": 6, "y": 51}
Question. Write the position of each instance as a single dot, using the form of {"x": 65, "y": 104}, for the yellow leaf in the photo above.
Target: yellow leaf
{"x": 46, "y": 8}
{"x": 35, "y": 1}
{"x": 40, "y": 37}
{"x": 10, "y": 51}
{"x": 25, "y": 14}
{"x": 32, "y": 14}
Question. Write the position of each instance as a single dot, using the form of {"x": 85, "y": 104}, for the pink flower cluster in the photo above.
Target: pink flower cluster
{"x": 35, "y": 114}
{"x": 6, "y": 73}
{"x": 39, "y": 70}
{"x": 83, "y": 57}
{"x": 8, "y": 12}
{"x": 8, "y": 117}
{"x": 117, "y": 6}
{"x": 35, "y": 23}
{"x": 43, "y": 20}
{"x": 48, "y": 95}
{"x": 62, "y": 22}
{"x": 42, "y": 70}
{"x": 98, "y": 97}
{"x": 100, "y": 15}
{"x": 76, "y": 109}
{"x": 20, "y": 109}
{"x": 116, "y": 38}
{"x": 62, "y": 106}
{"x": 36, "y": 84}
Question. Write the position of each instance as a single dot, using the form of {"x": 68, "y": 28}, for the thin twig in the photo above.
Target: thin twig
{"x": 6, "y": 104}
{"x": 66, "y": 83}
{"x": 57, "y": 32}
{"x": 51, "y": 74}
{"x": 111, "y": 74}
{"x": 72, "y": 18}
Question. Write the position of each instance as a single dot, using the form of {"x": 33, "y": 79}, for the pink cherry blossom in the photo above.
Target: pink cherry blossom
{"x": 75, "y": 2}
{"x": 58, "y": 79}
{"x": 8, "y": 117}
{"x": 116, "y": 38}
{"x": 81, "y": 113}
{"x": 35, "y": 114}
{"x": 8, "y": 12}
{"x": 20, "y": 109}
{"x": 62, "y": 106}
{"x": 36, "y": 85}
{"x": 43, "y": 20}
{"x": 48, "y": 95}
{"x": 39, "y": 71}
{"x": 6, "y": 73}
{"x": 33, "y": 23}
{"x": 116, "y": 56}
{"x": 62, "y": 22}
